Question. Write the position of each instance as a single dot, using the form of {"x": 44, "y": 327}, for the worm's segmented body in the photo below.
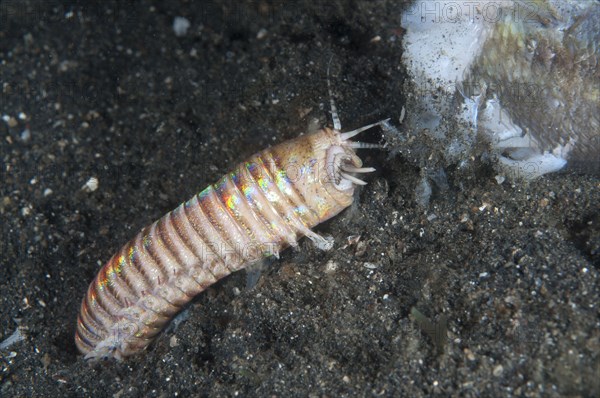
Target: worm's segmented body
{"x": 265, "y": 205}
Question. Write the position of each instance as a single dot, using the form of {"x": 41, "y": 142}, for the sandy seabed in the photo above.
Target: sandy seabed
{"x": 110, "y": 92}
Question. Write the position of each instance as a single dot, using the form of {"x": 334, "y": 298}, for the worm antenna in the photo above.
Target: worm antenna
{"x": 350, "y": 134}
{"x": 364, "y": 145}
{"x": 337, "y": 125}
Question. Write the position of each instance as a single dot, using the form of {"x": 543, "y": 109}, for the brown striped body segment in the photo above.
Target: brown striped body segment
{"x": 265, "y": 205}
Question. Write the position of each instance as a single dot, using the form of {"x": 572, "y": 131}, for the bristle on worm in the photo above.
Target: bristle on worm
{"x": 266, "y": 204}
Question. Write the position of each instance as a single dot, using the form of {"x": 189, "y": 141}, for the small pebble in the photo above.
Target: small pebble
{"x": 330, "y": 267}
{"x": 469, "y": 354}
{"x": 361, "y": 248}
{"x": 91, "y": 185}
{"x": 498, "y": 370}
{"x": 25, "y": 135}
{"x": 261, "y": 34}
{"x": 181, "y": 26}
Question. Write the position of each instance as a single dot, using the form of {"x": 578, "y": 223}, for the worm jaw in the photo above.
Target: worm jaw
{"x": 337, "y": 158}
{"x": 341, "y": 160}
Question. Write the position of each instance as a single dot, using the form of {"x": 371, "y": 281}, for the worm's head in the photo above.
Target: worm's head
{"x": 340, "y": 163}
{"x": 322, "y": 168}
{"x": 339, "y": 167}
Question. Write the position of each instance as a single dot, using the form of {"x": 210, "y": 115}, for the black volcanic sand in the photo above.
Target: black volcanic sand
{"x": 110, "y": 92}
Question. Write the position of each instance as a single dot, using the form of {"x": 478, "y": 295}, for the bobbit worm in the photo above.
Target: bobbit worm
{"x": 266, "y": 204}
